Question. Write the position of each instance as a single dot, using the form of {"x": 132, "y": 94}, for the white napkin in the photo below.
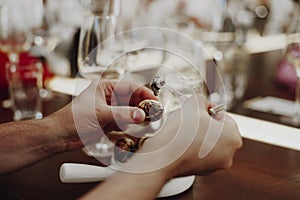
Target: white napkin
{"x": 272, "y": 105}
{"x": 268, "y": 132}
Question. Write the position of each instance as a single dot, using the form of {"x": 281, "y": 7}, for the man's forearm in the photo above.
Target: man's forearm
{"x": 25, "y": 142}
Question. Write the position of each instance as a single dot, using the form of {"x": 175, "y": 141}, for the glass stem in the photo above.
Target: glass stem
{"x": 13, "y": 57}
{"x": 297, "y": 100}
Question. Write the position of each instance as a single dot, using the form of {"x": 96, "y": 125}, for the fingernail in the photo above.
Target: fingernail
{"x": 138, "y": 115}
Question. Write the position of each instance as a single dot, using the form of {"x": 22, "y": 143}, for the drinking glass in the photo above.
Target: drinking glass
{"x": 103, "y": 54}
{"x": 13, "y": 32}
{"x": 226, "y": 38}
{"x": 25, "y": 83}
{"x": 42, "y": 35}
{"x": 293, "y": 58}
{"x": 95, "y": 51}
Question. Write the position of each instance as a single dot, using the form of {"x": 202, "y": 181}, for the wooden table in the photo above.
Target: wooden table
{"x": 260, "y": 171}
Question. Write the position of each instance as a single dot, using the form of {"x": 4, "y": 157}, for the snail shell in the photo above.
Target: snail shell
{"x": 153, "y": 109}
{"x": 124, "y": 149}
{"x": 156, "y": 85}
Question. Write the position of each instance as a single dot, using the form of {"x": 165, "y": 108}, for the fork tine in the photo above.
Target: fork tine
{"x": 216, "y": 109}
{"x": 219, "y": 108}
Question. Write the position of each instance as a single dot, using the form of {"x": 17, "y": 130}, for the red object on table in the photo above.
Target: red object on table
{"x": 286, "y": 76}
{"x": 286, "y": 73}
{"x": 25, "y": 59}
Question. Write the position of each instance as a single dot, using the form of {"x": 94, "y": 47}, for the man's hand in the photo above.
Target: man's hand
{"x": 104, "y": 106}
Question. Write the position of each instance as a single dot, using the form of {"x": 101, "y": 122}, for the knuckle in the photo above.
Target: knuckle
{"x": 239, "y": 143}
{"x": 227, "y": 164}
{"x": 236, "y": 139}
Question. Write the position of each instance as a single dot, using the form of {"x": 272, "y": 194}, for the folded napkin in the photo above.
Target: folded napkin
{"x": 271, "y": 105}
{"x": 268, "y": 132}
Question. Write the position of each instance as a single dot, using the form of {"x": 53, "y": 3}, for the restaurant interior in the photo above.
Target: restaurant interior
{"x": 242, "y": 55}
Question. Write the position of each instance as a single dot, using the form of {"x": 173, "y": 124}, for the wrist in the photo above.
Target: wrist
{"x": 168, "y": 169}
{"x": 49, "y": 135}
{"x": 63, "y": 129}
{"x": 165, "y": 151}
{"x": 145, "y": 162}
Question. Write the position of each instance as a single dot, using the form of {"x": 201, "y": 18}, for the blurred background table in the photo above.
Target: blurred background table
{"x": 260, "y": 171}
{"x": 262, "y": 69}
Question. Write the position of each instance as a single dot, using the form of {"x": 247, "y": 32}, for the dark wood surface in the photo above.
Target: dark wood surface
{"x": 260, "y": 171}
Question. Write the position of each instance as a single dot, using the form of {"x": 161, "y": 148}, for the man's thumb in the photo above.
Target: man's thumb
{"x": 124, "y": 114}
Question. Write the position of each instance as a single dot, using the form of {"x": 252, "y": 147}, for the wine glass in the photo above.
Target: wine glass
{"x": 225, "y": 38}
{"x": 293, "y": 58}
{"x": 43, "y": 37}
{"x": 95, "y": 52}
{"x": 13, "y": 32}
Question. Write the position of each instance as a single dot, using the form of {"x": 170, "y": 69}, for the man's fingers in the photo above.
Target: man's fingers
{"x": 126, "y": 93}
{"x": 202, "y": 103}
{"x": 141, "y": 94}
